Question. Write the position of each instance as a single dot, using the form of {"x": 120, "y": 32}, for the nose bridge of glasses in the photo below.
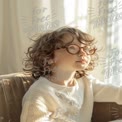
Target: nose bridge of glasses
{"x": 82, "y": 50}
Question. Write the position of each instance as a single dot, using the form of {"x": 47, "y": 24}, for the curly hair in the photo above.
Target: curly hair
{"x": 44, "y": 46}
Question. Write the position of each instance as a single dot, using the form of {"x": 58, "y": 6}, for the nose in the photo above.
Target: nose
{"x": 82, "y": 52}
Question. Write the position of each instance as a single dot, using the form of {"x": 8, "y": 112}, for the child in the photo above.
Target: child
{"x": 64, "y": 92}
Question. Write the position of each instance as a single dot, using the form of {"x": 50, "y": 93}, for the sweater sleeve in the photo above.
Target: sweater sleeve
{"x": 35, "y": 111}
{"x": 104, "y": 92}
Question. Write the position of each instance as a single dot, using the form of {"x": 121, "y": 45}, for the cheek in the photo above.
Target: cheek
{"x": 59, "y": 56}
{"x": 63, "y": 57}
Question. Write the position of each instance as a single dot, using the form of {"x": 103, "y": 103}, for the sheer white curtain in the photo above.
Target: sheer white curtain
{"x": 13, "y": 42}
{"x": 21, "y": 20}
{"x": 30, "y": 17}
{"x": 105, "y": 23}
{"x": 113, "y": 62}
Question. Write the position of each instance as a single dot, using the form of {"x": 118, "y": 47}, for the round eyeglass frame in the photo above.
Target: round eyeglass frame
{"x": 79, "y": 49}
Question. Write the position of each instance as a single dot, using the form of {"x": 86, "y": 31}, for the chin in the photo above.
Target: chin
{"x": 80, "y": 66}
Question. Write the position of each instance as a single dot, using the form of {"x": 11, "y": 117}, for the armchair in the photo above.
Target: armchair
{"x": 14, "y": 86}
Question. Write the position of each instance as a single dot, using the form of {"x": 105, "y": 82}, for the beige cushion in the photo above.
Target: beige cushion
{"x": 12, "y": 89}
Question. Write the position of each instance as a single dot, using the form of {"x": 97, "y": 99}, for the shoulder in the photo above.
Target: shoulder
{"x": 91, "y": 79}
{"x": 40, "y": 85}
{"x": 39, "y": 89}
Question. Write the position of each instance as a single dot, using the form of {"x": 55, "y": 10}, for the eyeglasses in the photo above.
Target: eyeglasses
{"x": 75, "y": 49}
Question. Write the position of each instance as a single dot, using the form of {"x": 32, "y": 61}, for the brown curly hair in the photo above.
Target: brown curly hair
{"x": 44, "y": 46}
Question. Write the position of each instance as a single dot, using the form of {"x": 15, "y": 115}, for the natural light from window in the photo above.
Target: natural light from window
{"x": 76, "y": 13}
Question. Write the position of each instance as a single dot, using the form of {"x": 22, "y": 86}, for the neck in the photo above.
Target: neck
{"x": 63, "y": 77}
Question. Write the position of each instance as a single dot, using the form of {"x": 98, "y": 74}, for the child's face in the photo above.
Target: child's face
{"x": 70, "y": 62}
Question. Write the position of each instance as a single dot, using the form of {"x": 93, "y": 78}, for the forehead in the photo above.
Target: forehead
{"x": 69, "y": 37}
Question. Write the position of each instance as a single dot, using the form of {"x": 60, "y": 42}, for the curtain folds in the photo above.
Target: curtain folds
{"x": 21, "y": 20}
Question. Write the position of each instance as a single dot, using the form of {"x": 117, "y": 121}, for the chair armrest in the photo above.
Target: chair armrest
{"x": 106, "y": 111}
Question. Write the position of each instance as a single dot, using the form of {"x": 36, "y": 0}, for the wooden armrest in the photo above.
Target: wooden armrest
{"x": 106, "y": 111}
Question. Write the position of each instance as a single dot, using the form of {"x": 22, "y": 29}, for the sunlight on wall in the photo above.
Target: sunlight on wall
{"x": 76, "y": 13}
{"x": 82, "y": 8}
{"x": 69, "y": 6}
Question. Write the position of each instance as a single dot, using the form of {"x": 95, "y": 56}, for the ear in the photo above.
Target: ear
{"x": 55, "y": 60}
{"x": 50, "y": 61}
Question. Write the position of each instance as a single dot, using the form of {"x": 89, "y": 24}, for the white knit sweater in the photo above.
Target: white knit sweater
{"x": 49, "y": 102}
